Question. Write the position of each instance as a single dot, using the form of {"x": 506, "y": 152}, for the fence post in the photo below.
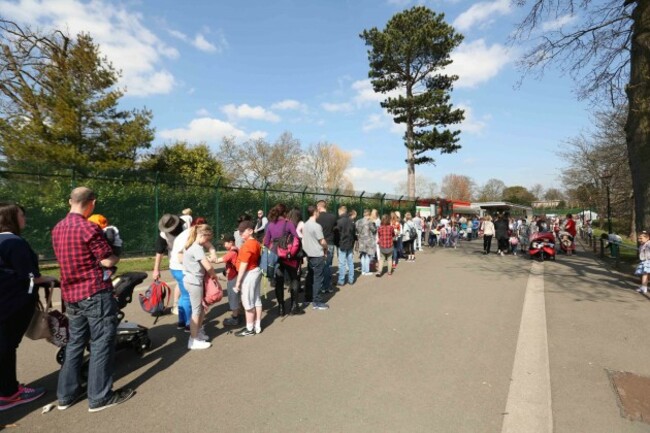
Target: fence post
{"x": 335, "y": 202}
{"x": 266, "y": 198}
{"x": 602, "y": 249}
{"x": 361, "y": 204}
{"x": 381, "y": 206}
{"x": 399, "y": 204}
{"x": 304, "y": 204}
{"x": 217, "y": 207}
{"x": 155, "y": 210}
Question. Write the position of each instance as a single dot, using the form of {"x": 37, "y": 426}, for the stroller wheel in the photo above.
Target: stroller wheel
{"x": 142, "y": 345}
{"x": 60, "y": 355}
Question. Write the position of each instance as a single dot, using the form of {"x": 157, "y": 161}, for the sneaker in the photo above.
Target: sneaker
{"x": 201, "y": 335}
{"x": 245, "y": 333}
{"x": 305, "y": 305}
{"x": 78, "y": 397}
{"x": 118, "y": 397}
{"x": 196, "y": 344}
{"x": 231, "y": 321}
{"x": 180, "y": 326}
{"x": 187, "y": 329}
{"x": 378, "y": 274}
{"x": 258, "y": 331}
{"x": 642, "y": 289}
{"x": 320, "y": 306}
{"x": 174, "y": 310}
{"x": 22, "y": 396}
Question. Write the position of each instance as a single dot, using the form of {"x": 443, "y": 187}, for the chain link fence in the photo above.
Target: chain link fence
{"x": 134, "y": 201}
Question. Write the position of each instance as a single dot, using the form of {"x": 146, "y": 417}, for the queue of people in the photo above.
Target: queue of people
{"x": 85, "y": 250}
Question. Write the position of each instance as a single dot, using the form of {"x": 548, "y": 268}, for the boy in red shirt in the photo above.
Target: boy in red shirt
{"x": 249, "y": 277}
{"x": 230, "y": 259}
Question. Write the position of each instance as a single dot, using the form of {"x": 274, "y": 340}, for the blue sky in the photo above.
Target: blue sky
{"x": 209, "y": 69}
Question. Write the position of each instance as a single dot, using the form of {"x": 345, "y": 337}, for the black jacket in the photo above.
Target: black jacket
{"x": 347, "y": 233}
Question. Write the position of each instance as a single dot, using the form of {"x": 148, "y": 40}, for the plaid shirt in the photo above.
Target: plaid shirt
{"x": 79, "y": 246}
{"x": 385, "y": 236}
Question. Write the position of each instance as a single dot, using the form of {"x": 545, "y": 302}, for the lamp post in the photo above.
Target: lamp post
{"x": 607, "y": 177}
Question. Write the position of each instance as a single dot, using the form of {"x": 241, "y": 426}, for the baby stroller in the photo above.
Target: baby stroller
{"x": 566, "y": 242}
{"x": 129, "y": 335}
{"x": 542, "y": 245}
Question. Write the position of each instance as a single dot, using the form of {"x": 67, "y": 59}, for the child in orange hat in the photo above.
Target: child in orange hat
{"x": 112, "y": 235}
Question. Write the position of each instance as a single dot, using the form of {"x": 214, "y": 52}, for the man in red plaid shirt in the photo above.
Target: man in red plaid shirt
{"x": 82, "y": 250}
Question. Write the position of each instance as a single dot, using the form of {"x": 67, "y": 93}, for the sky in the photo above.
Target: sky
{"x": 211, "y": 69}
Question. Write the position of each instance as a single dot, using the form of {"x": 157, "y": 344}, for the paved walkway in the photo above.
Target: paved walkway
{"x": 455, "y": 342}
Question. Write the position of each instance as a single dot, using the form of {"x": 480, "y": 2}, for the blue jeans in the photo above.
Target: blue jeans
{"x": 327, "y": 271}
{"x": 184, "y": 306}
{"x": 346, "y": 266}
{"x": 315, "y": 277}
{"x": 365, "y": 263}
{"x": 93, "y": 319}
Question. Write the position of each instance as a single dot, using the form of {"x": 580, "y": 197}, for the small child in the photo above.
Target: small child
{"x": 514, "y": 241}
{"x": 644, "y": 256}
{"x": 112, "y": 235}
{"x": 230, "y": 259}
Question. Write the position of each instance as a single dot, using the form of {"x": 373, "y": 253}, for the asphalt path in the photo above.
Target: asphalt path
{"x": 440, "y": 346}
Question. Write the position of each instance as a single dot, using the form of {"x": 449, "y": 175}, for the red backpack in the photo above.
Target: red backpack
{"x": 287, "y": 245}
{"x": 156, "y": 299}
{"x": 212, "y": 291}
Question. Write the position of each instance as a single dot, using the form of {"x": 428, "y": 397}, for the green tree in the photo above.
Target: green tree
{"x": 606, "y": 48}
{"x": 518, "y": 195}
{"x": 409, "y": 56}
{"x": 59, "y": 103}
{"x": 185, "y": 163}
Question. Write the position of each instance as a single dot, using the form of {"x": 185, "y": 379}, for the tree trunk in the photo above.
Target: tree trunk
{"x": 410, "y": 163}
{"x": 637, "y": 127}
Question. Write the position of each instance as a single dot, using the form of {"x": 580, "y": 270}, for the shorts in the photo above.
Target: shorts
{"x": 196, "y": 297}
{"x": 250, "y": 289}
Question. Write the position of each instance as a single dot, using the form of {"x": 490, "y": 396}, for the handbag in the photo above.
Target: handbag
{"x": 212, "y": 291}
{"x": 39, "y": 326}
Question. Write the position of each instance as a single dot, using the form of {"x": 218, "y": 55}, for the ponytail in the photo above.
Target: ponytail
{"x": 195, "y": 231}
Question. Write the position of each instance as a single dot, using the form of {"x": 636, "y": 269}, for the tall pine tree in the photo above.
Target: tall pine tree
{"x": 409, "y": 56}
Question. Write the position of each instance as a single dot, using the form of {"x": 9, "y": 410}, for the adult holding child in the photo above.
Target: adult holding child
{"x": 82, "y": 250}
{"x": 18, "y": 274}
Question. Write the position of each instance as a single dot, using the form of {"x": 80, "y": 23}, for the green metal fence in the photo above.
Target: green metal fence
{"x": 134, "y": 201}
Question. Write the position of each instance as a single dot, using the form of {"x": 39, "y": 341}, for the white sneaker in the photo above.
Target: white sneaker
{"x": 642, "y": 289}
{"x": 196, "y": 344}
{"x": 258, "y": 330}
{"x": 175, "y": 310}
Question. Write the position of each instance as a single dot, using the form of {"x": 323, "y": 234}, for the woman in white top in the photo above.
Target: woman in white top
{"x": 488, "y": 233}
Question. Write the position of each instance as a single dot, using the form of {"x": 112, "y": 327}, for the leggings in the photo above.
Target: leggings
{"x": 503, "y": 245}
{"x": 487, "y": 243}
{"x": 294, "y": 283}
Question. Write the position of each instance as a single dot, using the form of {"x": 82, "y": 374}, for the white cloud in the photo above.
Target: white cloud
{"x": 382, "y": 120}
{"x": 202, "y": 112}
{"x": 203, "y": 129}
{"x": 202, "y": 44}
{"x": 335, "y": 108}
{"x": 289, "y": 104}
{"x": 475, "y": 62}
{"x": 482, "y": 13}
{"x": 355, "y": 153}
{"x": 366, "y": 94}
{"x": 558, "y": 23}
{"x": 120, "y": 33}
{"x": 365, "y": 179}
{"x": 258, "y": 134}
{"x": 245, "y": 111}
{"x": 471, "y": 124}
